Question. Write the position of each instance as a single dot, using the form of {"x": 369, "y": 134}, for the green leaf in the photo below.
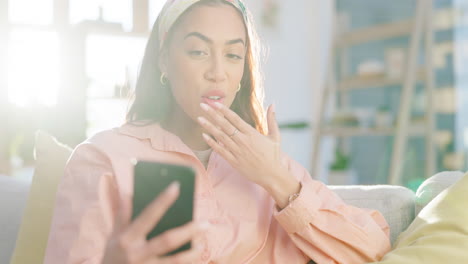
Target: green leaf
{"x": 294, "y": 125}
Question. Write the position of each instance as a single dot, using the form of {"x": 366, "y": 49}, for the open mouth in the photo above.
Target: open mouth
{"x": 214, "y": 97}
{"x": 211, "y": 100}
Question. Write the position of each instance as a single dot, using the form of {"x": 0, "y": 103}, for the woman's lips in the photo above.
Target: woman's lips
{"x": 211, "y": 102}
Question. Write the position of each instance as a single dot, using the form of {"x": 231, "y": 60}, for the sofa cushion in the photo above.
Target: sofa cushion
{"x": 51, "y": 158}
{"x": 394, "y": 202}
{"x": 431, "y": 187}
{"x": 439, "y": 234}
{"x": 13, "y": 195}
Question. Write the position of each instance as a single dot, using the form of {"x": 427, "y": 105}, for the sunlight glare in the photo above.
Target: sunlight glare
{"x": 37, "y": 12}
{"x": 109, "y": 61}
{"x": 116, "y": 11}
{"x": 33, "y": 68}
{"x": 155, "y": 7}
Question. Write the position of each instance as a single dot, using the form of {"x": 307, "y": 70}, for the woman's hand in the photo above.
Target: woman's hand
{"x": 256, "y": 156}
{"x": 128, "y": 243}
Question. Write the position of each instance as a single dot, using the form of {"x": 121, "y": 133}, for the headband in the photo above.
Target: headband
{"x": 173, "y": 9}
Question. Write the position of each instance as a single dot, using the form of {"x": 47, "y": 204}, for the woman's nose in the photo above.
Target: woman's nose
{"x": 216, "y": 71}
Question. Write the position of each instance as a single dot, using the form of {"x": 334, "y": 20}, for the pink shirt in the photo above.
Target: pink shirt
{"x": 246, "y": 227}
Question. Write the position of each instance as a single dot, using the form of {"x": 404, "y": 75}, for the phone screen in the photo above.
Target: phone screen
{"x": 152, "y": 178}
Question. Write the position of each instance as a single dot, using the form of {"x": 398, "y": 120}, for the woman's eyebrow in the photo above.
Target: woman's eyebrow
{"x": 208, "y": 40}
{"x": 199, "y": 35}
{"x": 234, "y": 41}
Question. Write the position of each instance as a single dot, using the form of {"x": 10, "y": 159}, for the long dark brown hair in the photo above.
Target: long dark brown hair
{"x": 152, "y": 101}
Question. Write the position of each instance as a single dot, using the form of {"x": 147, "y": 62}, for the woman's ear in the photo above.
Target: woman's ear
{"x": 163, "y": 61}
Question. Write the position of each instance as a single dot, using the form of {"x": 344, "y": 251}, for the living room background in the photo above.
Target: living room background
{"x": 59, "y": 72}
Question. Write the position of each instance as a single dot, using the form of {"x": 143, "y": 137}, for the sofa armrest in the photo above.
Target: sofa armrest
{"x": 13, "y": 196}
{"x": 396, "y": 203}
{"x": 51, "y": 157}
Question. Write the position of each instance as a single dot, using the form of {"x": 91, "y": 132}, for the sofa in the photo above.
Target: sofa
{"x": 27, "y": 206}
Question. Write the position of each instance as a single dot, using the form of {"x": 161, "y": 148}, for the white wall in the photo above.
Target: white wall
{"x": 294, "y": 71}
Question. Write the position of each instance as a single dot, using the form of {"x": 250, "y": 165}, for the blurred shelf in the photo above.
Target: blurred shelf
{"x": 377, "y": 32}
{"x": 417, "y": 35}
{"x": 365, "y": 82}
{"x": 360, "y": 131}
{"x": 394, "y": 29}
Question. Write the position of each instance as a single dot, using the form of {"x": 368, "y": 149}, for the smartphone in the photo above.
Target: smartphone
{"x": 152, "y": 178}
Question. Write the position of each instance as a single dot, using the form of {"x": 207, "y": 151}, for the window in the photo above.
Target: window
{"x": 155, "y": 7}
{"x": 33, "y": 68}
{"x": 36, "y": 12}
{"x": 112, "y": 63}
{"x": 114, "y": 11}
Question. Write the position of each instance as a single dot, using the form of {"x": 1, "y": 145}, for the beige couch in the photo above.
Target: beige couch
{"x": 399, "y": 205}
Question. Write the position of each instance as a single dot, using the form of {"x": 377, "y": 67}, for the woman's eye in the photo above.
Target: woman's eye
{"x": 234, "y": 56}
{"x": 197, "y": 53}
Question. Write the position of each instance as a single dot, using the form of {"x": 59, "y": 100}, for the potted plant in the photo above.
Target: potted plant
{"x": 383, "y": 118}
{"x": 340, "y": 172}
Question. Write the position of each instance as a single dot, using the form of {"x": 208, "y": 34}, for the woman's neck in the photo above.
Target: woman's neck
{"x": 188, "y": 130}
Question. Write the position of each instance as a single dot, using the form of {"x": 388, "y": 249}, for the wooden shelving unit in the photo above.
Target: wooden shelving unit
{"x": 366, "y": 82}
{"x": 359, "y": 131}
{"x": 418, "y": 29}
{"x": 377, "y": 32}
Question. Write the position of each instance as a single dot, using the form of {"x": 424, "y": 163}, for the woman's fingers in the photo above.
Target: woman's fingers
{"x": 189, "y": 256}
{"x": 151, "y": 215}
{"x": 131, "y": 245}
{"x": 219, "y": 134}
{"x": 219, "y": 149}
{"x": 234, "y": 119}
{"x": 273, "y": 128}
{"x": 174, "y": 238}
{"x": 218, "y": 119}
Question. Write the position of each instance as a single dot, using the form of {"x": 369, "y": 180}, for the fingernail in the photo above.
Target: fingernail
{"x": 205, "y": 106}
{"x": 205, "y": 136}
{"x": 174, "y": 187}
{"x": 201, "y": 119}
{"x": 273, "y": 108}
{"x": 218, "y": 105}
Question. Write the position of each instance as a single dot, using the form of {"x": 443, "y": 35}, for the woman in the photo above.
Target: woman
{"x": 198, "y": 103}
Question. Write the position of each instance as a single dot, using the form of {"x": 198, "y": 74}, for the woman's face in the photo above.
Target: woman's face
{"x": 205, "y": 61}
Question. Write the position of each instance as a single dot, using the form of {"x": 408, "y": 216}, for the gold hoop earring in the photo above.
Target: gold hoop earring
{"x": 163, "y": 79}
{"x": 238, "y": 89}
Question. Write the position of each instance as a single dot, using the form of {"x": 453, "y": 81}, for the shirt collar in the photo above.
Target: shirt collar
{"x": 160, "y": 138}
